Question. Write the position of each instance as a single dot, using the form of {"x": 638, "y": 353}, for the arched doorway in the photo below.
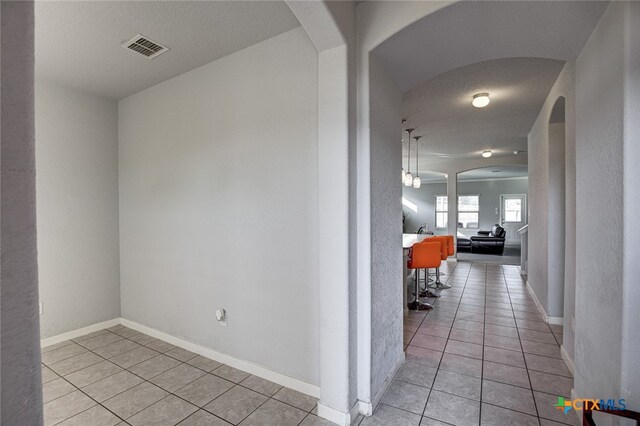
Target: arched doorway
{"x": 489, "y": 197}
{"x": 414, "y": 22}
{"x": 556, "y": 218}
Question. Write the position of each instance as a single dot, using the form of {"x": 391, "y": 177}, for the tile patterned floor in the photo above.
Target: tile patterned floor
{"x": 483, "y": 356}
{"x": 119, "y": 376}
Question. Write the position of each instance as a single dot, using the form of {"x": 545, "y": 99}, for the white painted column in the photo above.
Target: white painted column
{"x": 363, "y": 227}
{"x": 452, "y": 199}
{"x": 333, "y": 238}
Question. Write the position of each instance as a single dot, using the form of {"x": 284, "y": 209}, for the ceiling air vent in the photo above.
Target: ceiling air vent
{"x": 142, "y": 45}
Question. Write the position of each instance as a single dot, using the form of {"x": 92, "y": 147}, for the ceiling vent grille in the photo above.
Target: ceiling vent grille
{"x": 142, "y": 45}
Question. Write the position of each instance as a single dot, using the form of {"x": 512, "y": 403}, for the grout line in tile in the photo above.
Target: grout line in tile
{"x": 508, "y": 285}
{"x": 90, "y": 397}
{"x": 169, "y": 393}
{"x": 424, "y": 409}
{"x": 535, "y": 404}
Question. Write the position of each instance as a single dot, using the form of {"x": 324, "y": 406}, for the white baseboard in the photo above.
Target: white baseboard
{"x": 336, "y": 416}
{"x": 77, "y": 333}
{"x": 567, "y": 360}
{"x": 555, "y": 320}
{"x": 548, "y": 319}
{"x": 246, "y": 366}
{"x": 355, "y": 413}
{"x": 370, "y": 407}
{"x": 365, "y": 408}
{"x": 537, "y": 302}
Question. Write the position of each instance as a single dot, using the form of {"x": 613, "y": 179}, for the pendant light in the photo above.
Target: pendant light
{"x": 408, "y": 179}
{"x": 416, "y": 180}
{"x": 401, "y": 142}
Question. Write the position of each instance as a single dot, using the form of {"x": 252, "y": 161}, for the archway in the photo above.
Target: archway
{"x": 489, "y": 197}
{"x": 556, "y": 217}
{"x": 472, "y": 45}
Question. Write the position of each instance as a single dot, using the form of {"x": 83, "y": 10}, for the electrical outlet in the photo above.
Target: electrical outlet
{"x": 221, "y": 316}
{"x": 40, "y": 307}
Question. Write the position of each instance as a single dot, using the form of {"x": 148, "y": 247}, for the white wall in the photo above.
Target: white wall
{"x": 545, "y": 215}
{"x": 386, "y": 227}
{"x": 77, "y": 207}
{"x": 556, "y": 205}
{"x": 630, "y": 367}
{"x": 218, "y": 205}
{"x": 424, "y": 199}
{"x": 607, "y": 294}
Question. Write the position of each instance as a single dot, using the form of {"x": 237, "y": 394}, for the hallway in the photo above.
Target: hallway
{"x": 482, "y": 356}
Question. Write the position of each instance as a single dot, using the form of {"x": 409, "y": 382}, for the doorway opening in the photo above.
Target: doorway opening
{"x": 491, "y": 211}
{"x": 556, "y": 210}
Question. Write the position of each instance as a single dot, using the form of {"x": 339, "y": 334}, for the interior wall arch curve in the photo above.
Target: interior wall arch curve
{"x": 556, "y": 208}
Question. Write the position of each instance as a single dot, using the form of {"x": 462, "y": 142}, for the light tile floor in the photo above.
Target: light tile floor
{"x": 119, "y": 376}
{"x": 482, "y": 356}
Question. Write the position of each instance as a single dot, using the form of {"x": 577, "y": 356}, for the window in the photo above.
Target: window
{"x": 441, "y": 211}
{"x": 468, "y": 211}
{"x": 513, "y": 210}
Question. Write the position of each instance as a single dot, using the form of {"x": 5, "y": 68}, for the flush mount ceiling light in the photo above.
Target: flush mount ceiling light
{"x": 487, "y": 154}
{"x": 480, "y": 100}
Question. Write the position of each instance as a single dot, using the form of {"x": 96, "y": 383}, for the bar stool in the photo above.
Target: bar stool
{"x": 450, "y": 249}
{"x": 424, "y": 255}
{"x": 444, "y": 240}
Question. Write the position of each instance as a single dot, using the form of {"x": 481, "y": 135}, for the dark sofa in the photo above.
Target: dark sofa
{"x": 489, "y": 242}
{"x": 464, "y": 245}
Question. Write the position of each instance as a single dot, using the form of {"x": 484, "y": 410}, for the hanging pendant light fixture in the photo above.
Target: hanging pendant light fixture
{"x": 408, "y": 179}
{"x": 416, "y": 180}
{"x": 401, "y": 142}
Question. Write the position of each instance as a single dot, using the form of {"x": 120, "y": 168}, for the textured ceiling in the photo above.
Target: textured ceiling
{"x": 440, "y": 110}
{"x": 78, "y": 43}
{"x": 513, "y": 50}
{"x": 470, "y": 32}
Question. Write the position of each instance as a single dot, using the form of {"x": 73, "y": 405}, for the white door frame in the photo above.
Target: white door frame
{"x": 525, "y": 218}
